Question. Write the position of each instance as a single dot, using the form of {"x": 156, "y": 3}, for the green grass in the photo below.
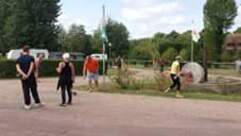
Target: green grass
{"x": 149, "y": 88}
{"x": 188, "y": 94}
{"x": 138, "y": 66}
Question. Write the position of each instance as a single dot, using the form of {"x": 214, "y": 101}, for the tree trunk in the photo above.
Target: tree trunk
{"x": 205, "y": 63}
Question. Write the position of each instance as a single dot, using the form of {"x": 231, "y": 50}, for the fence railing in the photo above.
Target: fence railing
{"x": 149, "y": 64}
{"x": 222, "y": 65}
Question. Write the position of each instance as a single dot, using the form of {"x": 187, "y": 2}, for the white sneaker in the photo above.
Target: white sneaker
{"x": 90, "y": 90}
{"x": 178, "y": 95}
{"x": 167, "y": 90}
{"x": 39, "y": 105}
{"x": 27, "y": 107}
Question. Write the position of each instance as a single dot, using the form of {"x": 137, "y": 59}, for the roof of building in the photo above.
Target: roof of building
{"x": 233, "y": 39}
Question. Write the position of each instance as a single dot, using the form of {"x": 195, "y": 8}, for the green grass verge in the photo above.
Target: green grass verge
{"x": 150, "y": 88}
{"x": 188, "y": 94}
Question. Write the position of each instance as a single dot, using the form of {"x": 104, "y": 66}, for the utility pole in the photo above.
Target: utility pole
{"x": 104, "y": 40}
{"x": 192, "y": 51}
{"x": 192, "y": 44}
{"x": 109, "y": 57}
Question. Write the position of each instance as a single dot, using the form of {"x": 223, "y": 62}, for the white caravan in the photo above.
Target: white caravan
{"x": 100, "y": 57}
{"x": 15, "y": 54}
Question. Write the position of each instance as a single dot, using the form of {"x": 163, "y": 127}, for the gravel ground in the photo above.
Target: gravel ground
{"x": 98, "y": 114}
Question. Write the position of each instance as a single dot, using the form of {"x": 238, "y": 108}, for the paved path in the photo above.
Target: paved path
{"x": 99, "y": 114}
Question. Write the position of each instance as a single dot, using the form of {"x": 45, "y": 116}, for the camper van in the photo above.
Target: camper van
{"x": 74, "y": 56}
{"x": 100, "y": 57}
{"x": 15, "y": 54}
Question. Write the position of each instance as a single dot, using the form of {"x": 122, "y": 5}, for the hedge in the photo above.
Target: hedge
{"x": 48, "y": 68}
{"x": 7, "y": 69}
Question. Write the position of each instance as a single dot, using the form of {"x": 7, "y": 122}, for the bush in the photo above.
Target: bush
{"x": 128, "y": 80}
{"x": 48, "y": 68}
{"x": 123, "y": 78}
{"x": 162, "y": 81}
{"x": 7, "y": 69}
{"x": 2, "y": 57}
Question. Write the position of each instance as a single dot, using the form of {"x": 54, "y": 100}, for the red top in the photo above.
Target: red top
{"x": 92, "y": 65}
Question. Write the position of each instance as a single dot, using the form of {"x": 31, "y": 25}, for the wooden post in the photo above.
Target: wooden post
{"x": 205, "y": 63}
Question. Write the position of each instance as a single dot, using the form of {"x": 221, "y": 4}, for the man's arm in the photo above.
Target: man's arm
{"x": 59, "y": 68}
{"x": 19, "y": 70}
{"x": 179, "y": 70}
{"x": 84, "y": 68}
{"x": 98, "y": 66}
{"x": 30, "y": 71}
{"x": 37, "y": 64}
{"x": 73, "y": 71}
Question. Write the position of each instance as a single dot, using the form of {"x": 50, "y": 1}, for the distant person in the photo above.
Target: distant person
{"x": 38, "y": 63}
{"x": 66, "y": 73}
{"x": 238, "y": 65}
{"x": 155, "y": 64}
{"x": 162, "y": 64}
{"x": 119, "y": 62}
{"x": 175, "y": 76}
{"x": 25, "y": 69}
{"x": 91, "y": 68}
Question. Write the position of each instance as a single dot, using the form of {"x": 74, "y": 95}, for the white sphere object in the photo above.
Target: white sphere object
{"x": 196, "y": 70}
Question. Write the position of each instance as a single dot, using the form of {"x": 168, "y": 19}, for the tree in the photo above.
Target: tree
{"x": 219, "y": 16}
{"x": 88, "y": 44}
{"x": 184, "y": 40}
{"x": 170, "y": 40}
{"x": 184, "y": 43}
{"x": 238, "y": 31}
{"x": 146, "y": 50}
{"x": 117, "y": 35}
{"x": 170, "y": 54}
{"x": 5, "y": 12}
{"x": 96, "y": 41}
{"x": 62, "y": 34}
{"x": 228, "y": 56}
{"x": 76, "y": 40}
{"x": 162, "y": 43}
{"x": 159, "y": 35}
{"x": 31, "y": 22}
{"x": 173, "y": 35}
{"x": 185, "y": 53}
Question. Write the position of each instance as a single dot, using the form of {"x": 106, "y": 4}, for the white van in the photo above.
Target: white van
{"x": 100, "y": 57}
{"x": 15, "y": 54}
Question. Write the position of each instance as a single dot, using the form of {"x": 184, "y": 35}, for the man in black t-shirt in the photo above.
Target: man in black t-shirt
{"x": 25, "y": 68}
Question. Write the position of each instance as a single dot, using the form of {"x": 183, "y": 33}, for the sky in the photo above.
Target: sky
{"x": 143, "y": 18}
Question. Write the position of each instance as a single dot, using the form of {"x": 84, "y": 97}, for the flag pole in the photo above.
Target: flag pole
{"x": 103, "y": 29}
{"x": 192, "y": 51}
{"x": 192, "y": 45}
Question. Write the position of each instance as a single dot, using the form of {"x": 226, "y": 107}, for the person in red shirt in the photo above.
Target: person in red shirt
{"x": 91, "y": 68}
